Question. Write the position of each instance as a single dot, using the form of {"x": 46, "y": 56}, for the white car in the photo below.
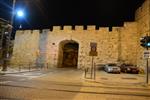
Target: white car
{"x": 112, "y": 68}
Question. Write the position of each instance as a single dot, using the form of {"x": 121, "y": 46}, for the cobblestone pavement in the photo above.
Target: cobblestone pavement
{"x": 69, "y": 84}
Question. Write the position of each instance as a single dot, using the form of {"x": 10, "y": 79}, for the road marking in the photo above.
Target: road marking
{"x": 22, "y": 79}
{"x": 28, "y": 76}
{"x": 4, "y": 82}
{"x": 12, "y": 75}
{"x": 131, "y": 78}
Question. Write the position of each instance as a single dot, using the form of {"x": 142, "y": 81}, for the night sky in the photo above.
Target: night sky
{"x": 41, "y": 14}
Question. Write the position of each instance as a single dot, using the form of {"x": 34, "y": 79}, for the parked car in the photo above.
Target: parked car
{"x": 112, "y": 68}
{"x": 129, "y": 68}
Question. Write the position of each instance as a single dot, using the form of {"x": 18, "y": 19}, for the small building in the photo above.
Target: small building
{"x": 3, "y": 24}
{"x": 5, "y": 32}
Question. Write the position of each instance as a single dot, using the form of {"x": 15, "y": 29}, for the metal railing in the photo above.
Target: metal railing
{"x": 29, "y": 66}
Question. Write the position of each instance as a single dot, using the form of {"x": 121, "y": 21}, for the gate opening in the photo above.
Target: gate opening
{"x": 68, "y": 54}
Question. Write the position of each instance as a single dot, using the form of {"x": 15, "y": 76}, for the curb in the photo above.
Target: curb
{"x": 3, "y": 73}
{"x": 141, "y": 85}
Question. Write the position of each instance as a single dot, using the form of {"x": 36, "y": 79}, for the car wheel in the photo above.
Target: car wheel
{"x": 125, "y": 71}
{"x": 137, "y": 72}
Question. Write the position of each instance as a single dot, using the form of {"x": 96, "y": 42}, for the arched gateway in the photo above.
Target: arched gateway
{"x": 68, "y": 54}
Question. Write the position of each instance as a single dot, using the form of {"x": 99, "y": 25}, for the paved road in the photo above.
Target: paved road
{"x": 21, "y": 76}
{"x": 63, "y": 85}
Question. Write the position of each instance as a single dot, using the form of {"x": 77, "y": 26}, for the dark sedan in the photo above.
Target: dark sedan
{"x": 129, "y": 68}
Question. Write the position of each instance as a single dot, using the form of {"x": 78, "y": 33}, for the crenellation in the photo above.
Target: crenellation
{"x": 68, "y": 28}
{"x": 81, "y": 28}
{"x": 35, "y": 31}
{"x": 116, "y": 29}
{"x": 91, "y": 28}
{"x": 56, "y": 28}
{"x": 45, "y": 30}
{"x": 77, "y": 27}
{"x": 103, "y": 29}
{"x": 20, "y": 32}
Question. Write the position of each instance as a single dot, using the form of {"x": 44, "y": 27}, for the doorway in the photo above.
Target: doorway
{"x": 68, "y": 54}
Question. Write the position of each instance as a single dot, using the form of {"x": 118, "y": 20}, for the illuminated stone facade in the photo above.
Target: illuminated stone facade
{"x": 143, "y": 28}
{"x": 120, "y": 44}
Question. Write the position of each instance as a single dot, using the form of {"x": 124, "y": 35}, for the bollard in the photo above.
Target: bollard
{"x": 94, "y": 71}
{"x": 86, "y": 70}
{"x": 29, "y": 67}
{"x": 47, "y": 65}
{"x": 85, "y": 73}
{"x": 19, "y": 68}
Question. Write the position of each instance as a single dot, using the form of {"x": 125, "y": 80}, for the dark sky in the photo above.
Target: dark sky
{"x": 46, "y": 13}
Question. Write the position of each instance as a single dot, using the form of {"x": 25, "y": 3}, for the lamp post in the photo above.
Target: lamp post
{"x": 13, "y": 12}
{"x": 20, "y": 14}
{"x": 147, "y": 67}
{"x": 6, "y": 51}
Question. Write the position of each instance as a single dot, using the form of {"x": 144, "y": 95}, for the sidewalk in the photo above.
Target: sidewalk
{"x": 63, "y": 80}
{"x": 16, "y": 70}
{"x": 123, "y": 79}
{"x": 74, "y": 76}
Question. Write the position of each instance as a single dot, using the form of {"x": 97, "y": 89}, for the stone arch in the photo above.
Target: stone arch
{"x": 68, "y": 53}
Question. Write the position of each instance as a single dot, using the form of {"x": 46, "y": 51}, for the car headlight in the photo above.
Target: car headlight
{"x": 109, "y": 69}
{"x": 128, "y": 68}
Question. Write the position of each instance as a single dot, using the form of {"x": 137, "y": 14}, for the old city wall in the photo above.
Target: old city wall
{"x": 25, "y": 47}
{"x": 112, "y": 46}
{"x": 120, "y": 44}
{"x": 107, "y": 46}
{"x": 128, "y": 43}
{"x": 142, "y": 17}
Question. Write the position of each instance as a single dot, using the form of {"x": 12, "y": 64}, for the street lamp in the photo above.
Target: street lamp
{"x": 20, "y": 13}
{"x": 13, "y": 12}
{"x": 6, "y": 52}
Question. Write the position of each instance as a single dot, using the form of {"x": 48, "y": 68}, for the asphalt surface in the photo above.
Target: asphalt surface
{"x": 62, "y": 84}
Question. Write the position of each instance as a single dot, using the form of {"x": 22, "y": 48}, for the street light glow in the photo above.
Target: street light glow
{"x": 148, "y": 44}
{"x": 20, "y": 13}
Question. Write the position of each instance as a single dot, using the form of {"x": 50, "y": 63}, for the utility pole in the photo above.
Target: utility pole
{"x": 147, "y": 60}
{"x": 147, "y": 68}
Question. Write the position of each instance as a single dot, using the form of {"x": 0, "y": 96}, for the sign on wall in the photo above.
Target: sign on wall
{"x": 146, "y": 54}
{"x": 93, "y": 51}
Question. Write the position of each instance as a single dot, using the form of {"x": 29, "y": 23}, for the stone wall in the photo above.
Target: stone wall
{"x": 45, "y": 47}
{"x": 120, "y": 44}
{"x": 129, "y": 43}
{"x": 25, "y": 47}
{"x": 142, "y": 17}
{"x": 107, "y": 44}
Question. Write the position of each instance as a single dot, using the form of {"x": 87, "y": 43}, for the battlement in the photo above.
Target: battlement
{"x": 77, "y": 28}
